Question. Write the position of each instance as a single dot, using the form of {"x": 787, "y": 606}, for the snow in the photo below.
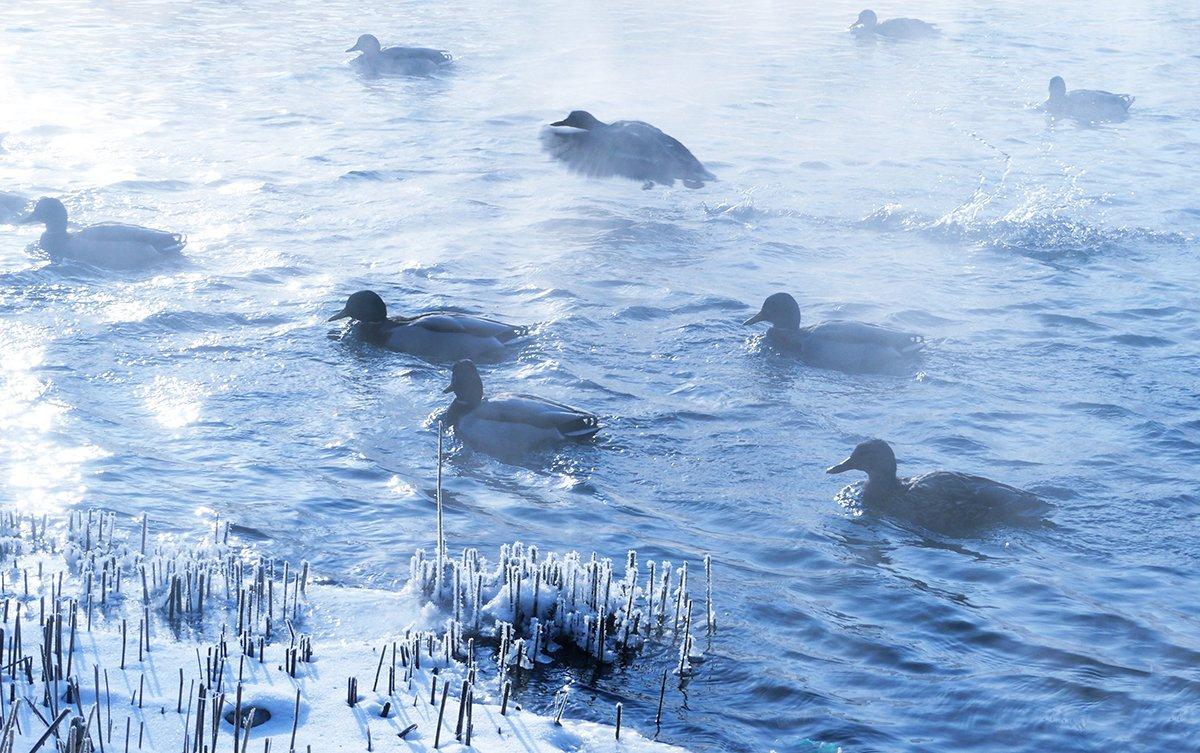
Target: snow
{"x": 196, "y": 594}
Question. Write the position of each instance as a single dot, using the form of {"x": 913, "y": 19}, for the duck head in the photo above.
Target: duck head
{"x": 366, "y": 44}
{"x": 1058, "y": 88}
{"x": 363, "y": 306}
{"x": 580, "y": 119}
{"x": 466, "y": 386}
{"x": 873, "y": 457}
{"x": 49, "y": 212}
{"x": 780, "y": 310}
{"x": 866, "y": 21}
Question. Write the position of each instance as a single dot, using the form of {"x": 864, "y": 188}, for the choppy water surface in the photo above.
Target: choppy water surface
{"x": 1054, "y": 267}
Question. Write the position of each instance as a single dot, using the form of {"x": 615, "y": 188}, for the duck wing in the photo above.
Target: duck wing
{"x": 540, "y": 413}
{"x": 906, "y": 28}
{"x": 668, "y": 147}
{"x": 619, "y": 150}
{"x": 467, "y": 324}
{"x": 1097, "y": 99}
{"x": 863, "y": 334}
{"x": 953, "y": 498}
{"x": 427, "y": 54}
{"x": 133, "y": 235}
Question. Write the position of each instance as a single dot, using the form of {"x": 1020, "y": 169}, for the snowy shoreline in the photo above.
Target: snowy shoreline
{"x": 120, "y": 640}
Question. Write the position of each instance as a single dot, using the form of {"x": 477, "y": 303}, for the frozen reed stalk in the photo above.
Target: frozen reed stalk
{"x": 685, "y": 644}
{"x": 618, "y": 731}
{"x": 680, "y": 594}
{"x": 462, "y": 709}
{"x": 295, "y": 722}
{"x": 562, "y": 696}
{"x": 470, "y": 716}
{"x": 710, "y": 612}
{"x": 437, "y": 736}
{"x": 441, "y": 537}
{"x": 662, "y": 692}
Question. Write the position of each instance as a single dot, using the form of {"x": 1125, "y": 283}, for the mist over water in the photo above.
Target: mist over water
{"x": 1052, "y": 266}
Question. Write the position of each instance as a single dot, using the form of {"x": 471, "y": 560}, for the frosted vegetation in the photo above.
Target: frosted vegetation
{"x": 113, "y": 637}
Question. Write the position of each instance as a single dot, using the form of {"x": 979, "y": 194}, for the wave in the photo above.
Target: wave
{"x": 1042, "y": 226}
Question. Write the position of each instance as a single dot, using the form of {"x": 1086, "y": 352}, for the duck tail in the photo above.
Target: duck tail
{"x": 178, "y": 241}
{"x": 583, "y": 427}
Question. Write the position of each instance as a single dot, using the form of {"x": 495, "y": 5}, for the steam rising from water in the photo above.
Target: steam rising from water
{"x": 1052, "y": 266}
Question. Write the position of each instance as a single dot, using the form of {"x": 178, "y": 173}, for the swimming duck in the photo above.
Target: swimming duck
{"x": 844, "y": 346}
{"x": 407, "y": 61}
{"x": 940, "y": 499}
{"x": 626, "y": 149}
{"x": 436, "y": 336}
{"x": 1086, "y": 104}
{"x": 893, "y": 28}
{"x": 108, "y": 244}
{"x": 510, "y": 423}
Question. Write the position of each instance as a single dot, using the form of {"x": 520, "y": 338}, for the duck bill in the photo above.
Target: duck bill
{"x": 559, "y": 123}
{"x": 343, "y": 314}
{"x": 29, "y": 219}
{"x": 755, "y": 319}
{"x": 448, "y": 389}
{"x": 842, "y": 467}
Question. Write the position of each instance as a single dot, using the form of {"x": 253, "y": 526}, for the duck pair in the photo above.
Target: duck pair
{"x": 629, "y": 149}
{"x": 444, "y": 336}
{"x": 1089, "y": 105}
{"x": 937, "y": 500}
{"x": 502, "y": 425}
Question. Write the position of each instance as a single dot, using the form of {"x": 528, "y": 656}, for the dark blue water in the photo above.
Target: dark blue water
{"x": 1052, "y": 266}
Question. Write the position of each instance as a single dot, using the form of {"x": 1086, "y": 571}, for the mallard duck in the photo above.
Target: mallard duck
{"x": 407, "y": 61}
{"x": 108, "y": 244}
{"x": 940, "y": 499}
{"x": 840, "y": 345}
{"x": 626, "y": 149}
{"x": 893, "y": 28}
{"x": 436, "y": 336}
{"x": 510, "y": 424}
{"x": 1086, "y": 104}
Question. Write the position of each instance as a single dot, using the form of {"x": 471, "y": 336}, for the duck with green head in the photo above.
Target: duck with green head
{"x": 376, "y": 59}
{"x": 869, "y": 25}
{"x": 437, "y": 336}
{"x": 510, "y": 424}
{"x": 108, "y": 244}
{"x": 839, "y": 345}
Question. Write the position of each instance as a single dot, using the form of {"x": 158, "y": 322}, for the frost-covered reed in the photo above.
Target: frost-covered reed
{"x": 529, "y": 601}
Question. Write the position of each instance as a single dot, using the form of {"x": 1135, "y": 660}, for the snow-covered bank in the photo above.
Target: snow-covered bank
{"x": 120, "y": 640}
